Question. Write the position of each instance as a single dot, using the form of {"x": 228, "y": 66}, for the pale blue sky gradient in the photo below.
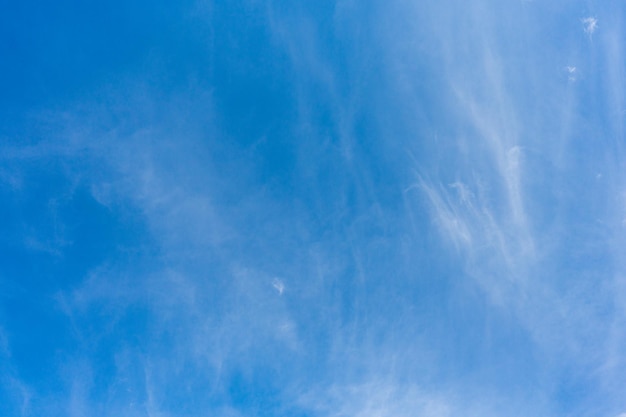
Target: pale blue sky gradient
{"x": 313, "y": 209}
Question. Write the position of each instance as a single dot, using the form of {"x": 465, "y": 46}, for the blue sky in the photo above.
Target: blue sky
{"x": 313, "y": 209}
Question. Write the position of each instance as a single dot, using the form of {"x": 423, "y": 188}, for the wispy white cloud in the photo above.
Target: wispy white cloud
{"x": 14, "y": 390}
{"x": 229, "y": 279}
{"x": 572, "y": 73}
{"x": 278, "y": 285}
{"x": 590, "y": 24}
{"x": 511, "y": 235}
{"x": 376, "y": 399}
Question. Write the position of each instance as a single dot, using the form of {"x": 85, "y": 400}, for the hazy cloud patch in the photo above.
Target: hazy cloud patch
{"x": 590, "y": 24}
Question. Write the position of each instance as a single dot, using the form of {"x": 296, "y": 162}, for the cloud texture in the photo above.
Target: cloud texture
{"x": 371, "y": 209}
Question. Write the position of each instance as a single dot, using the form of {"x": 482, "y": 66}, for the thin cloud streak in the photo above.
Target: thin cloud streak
{"x": 418, "y": 275}
{"x": 590, "y": 25}
{"x": 488, "y": 207}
